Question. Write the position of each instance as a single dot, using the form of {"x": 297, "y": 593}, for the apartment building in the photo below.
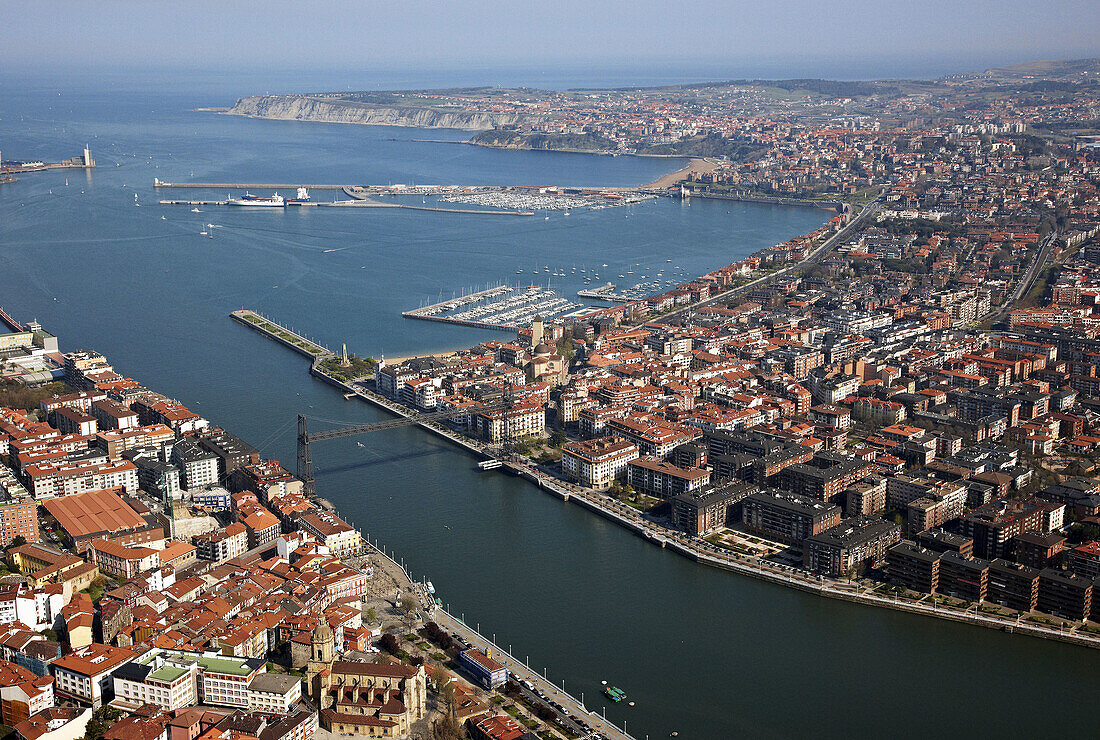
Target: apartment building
{"x": 339, "y": 537}
{"x": 849, "y": 545}
{"x": 84, "y": 676}
{"x": 787, "y": 517}
{"x": 50, "y": 479}
{"x": 597, "y": 463}
{"x": 222, "y": 544}
{"x": 701, "y": 512}
{"x": 913, "y": 567}
{"x": 655, "y": 477}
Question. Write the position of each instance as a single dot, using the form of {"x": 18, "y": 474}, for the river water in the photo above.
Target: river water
{"x": 701, "y": 652}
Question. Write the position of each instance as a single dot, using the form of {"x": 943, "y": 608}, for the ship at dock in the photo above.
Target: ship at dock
{"x": 256, "y": 201}
{"x": 301, "y": 199}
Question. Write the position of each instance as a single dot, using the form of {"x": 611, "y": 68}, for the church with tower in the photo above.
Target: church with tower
{"x": 360, "y": 698}
{"x": 546, "y": 364}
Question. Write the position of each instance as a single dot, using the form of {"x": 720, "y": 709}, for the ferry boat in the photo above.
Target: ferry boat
{"x": 301, "y": 199}
{"x": 256, "y": 201}
{"x": 614, "y": 693}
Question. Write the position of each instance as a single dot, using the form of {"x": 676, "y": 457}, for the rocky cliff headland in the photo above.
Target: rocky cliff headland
{"x": 334, "y": 109}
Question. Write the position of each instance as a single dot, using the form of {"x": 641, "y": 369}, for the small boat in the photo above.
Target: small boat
{"x": 195, "y": 210}
{"x": 546, "y": 219}
{"x": 359, "y": 444}
{"x": 204, "y": 233}
{"x": 431, "y": 588}
{"x": 163, "y": 218}
{"x": 614, "y": 693}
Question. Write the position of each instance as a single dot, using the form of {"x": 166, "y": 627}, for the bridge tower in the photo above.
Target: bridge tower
{"x": 305, "y": 457}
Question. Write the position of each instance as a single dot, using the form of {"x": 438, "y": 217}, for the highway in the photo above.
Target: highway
{"x": 868, "y": 210}
{"x": 1025, "y": 283}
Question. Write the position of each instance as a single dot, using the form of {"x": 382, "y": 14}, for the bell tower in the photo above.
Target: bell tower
{"x": 322, "y": 651}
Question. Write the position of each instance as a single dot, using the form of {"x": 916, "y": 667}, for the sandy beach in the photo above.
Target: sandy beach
{"x": 697, "y": 164}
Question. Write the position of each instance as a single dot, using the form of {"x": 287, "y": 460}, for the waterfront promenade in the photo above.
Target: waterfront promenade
{"x": 859, "y": 591}
{"x": 862, "y": 592}
{"x": 457, "y": 625}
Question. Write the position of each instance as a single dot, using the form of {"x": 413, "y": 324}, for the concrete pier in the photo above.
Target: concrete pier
{"x": 281, "y": 334}
{"x": 244, "y": 185}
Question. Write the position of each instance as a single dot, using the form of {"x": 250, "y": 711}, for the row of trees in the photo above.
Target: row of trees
{"x": 437, "y": 635}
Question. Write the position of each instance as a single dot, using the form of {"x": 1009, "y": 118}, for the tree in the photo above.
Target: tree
{"x": 409, "y": 603}
{"x": 388, "y": 643}
{"x": 102, "y": 720}
{"x": 372, "y": 615}
{"x": 558, "y": 438}
{"x": 545, "y": 713}
{"x": 17, "y": 541}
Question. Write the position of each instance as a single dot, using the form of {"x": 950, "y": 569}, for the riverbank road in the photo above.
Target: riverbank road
{"x": 575, "y": 715}
{"x": 860, "y": 591}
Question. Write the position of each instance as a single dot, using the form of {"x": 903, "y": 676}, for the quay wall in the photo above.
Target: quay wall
{"x": 459, "y": 322}
{"x": 244, "y": 185}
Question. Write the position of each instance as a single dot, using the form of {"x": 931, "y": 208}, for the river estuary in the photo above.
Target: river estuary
{"x": 705, "y": 653}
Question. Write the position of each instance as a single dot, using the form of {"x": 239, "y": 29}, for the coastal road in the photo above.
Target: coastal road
{"x": 544, "y": 691}
{"x": 868, "y": 210}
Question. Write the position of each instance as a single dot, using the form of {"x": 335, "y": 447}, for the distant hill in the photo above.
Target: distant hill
{"x": 1047, "y": 69}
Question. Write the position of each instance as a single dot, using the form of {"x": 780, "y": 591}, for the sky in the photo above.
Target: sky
{"x": 837, "y": 38}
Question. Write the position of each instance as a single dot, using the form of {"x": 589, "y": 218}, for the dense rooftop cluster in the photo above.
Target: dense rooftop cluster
{"x": 162, "y": 577}
{"x": 921, "y": 382}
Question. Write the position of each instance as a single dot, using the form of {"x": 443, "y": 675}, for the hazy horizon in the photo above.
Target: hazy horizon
{"x": 856, "y": 39}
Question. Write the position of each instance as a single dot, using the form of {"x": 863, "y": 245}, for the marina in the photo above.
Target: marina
{"x": 605, "y": 292}
{"x": 516, "y": 200}
{"x": 277, "y": 202}
{"x": 501, "y": 307}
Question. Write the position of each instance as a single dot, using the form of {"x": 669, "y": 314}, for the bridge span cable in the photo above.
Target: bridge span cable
{"x": 307, "y": 437}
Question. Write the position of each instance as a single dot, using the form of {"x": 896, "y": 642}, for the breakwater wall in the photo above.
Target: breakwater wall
{"x": 832, "y": 205}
